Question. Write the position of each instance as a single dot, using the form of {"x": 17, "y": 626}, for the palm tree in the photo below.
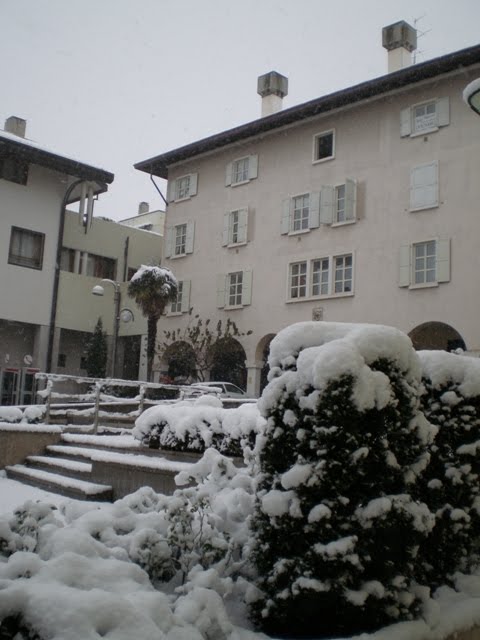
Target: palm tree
{"x": 152, "y": 288}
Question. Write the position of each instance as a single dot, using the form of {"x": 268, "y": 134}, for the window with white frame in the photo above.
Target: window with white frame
{"x": 183, "y": 187}
{"x": 182, "y": 302}
{"x": 425, "y": 117}
{"x": 179, "y": 240}
{"x": 300, "y": 212}
{"x": 235, "y": 225}
{"x": 26, "y": 248}
{"x": 324, "y": 146}
{"x": 241, "y": 170}
{"x": 424, "y": 186}
{"x": 234, "y": 289}
{"x": 424, "y": 264}
{"x": 328, "y": 276}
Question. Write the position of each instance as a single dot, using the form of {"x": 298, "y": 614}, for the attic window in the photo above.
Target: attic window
{"x": 324, "y": 146}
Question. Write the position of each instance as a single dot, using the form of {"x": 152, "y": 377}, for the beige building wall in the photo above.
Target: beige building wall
{"x": 370, "y": 150}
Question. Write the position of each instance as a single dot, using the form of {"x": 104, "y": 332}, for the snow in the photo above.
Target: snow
{"x": 30, "y": 428}
{"x": 161, "y": 274}
{"x": 443, "y": 368}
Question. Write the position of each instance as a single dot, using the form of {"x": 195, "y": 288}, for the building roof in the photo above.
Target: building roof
{"x": 158, "y": 165}
{"x": 11, "y": 144}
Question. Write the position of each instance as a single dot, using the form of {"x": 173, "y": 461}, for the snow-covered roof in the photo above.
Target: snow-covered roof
{"x": 38, "y": 154}
{"x": 158, "y": 165}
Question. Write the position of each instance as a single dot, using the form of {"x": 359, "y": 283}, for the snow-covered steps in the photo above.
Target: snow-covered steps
{"x": 56, "y": 483}
{"x": 62, "y": 466}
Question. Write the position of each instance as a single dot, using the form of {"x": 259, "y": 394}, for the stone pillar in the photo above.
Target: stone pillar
{"x": 142, "y": 368}
{"x": 254, "y": 371}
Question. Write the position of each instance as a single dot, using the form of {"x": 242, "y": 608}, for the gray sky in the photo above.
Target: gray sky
{"x": 113, "y": 82}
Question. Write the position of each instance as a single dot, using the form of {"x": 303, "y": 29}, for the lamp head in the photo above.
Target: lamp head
{"x": 471, "y": 95}
{"x": 98, "y": 290}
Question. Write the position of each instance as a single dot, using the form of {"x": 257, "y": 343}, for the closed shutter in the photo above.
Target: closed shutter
{"x": 443, "y": 112}
{"x": 228, "y": 175}
{"x": 190, "y": 237}
{"x": 405, "y": 269}
{"x": 221, "y": 286}
{"x": 443, "y": 261}
{"x": 424, "y": 186}
{"x": 242, "y": 225}
{"x": 247, "y": 288}
{"x": 252, "y": 167}
{"x": 169, "y": 242}
{"x": 350, "y": 199}
{"x": 192, "y": 187}
{"x": 327, "y": 200}
{"x": 286, "y": 213}
{"x": 186, "y": 296}
{"x": 226, "y": 229}
{"x": 314, "y": 210}
{"x": 405, "y": 122}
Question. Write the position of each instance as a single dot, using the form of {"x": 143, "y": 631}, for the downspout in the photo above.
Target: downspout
{"x": 125, "y": 258}
{"x": 56, "y": 278}
{"x": 156, "y": 187}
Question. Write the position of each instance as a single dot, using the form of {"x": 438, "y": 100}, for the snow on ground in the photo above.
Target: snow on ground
{"x": 13, "y": 494}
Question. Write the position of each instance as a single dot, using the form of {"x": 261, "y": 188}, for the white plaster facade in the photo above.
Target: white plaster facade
{"x": 408, "y": 187}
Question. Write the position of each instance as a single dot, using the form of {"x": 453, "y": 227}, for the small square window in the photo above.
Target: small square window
{"x": 26, "y": 248}
{"x": 324, "y": 146}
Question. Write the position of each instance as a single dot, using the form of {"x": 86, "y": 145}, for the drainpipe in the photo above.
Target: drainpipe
{"x": 56, "y": 279}
{"x": 156, "y": 187}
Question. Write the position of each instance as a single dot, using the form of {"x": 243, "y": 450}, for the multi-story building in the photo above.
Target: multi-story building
{"x": 358, "y": 206}
{"x": 147, "y": 220}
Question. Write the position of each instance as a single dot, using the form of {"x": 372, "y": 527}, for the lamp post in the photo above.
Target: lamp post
{"x": 471, "y": 95}
{"x": 98, "y": 290}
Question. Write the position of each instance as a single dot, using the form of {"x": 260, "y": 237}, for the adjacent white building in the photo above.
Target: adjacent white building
{"x": 358, "y": 206}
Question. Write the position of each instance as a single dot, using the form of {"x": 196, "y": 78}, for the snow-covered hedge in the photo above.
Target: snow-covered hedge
{"x": 336, "y": 525}
{"x": 32, "y": 414}
{"x": 452, "y": 481}
{"x": 196, "y": 426}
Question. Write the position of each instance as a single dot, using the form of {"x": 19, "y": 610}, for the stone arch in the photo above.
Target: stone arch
{"x": 436, "y": 336}
{"x": 179, "y": 358}
{"x": 261, "y": 356}
{"x": 228, "y": 359}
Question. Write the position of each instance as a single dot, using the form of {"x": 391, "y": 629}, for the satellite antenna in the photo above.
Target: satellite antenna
{"x": 420, "y": 34}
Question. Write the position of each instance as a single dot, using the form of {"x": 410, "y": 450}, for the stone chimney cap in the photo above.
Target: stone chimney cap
{"x": 272, "y": 83}
{"x": 143, "y": 207}
{"x": 399, "y": 34}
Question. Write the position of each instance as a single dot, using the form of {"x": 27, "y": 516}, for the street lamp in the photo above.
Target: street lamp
{"x": 98, "y": 290}
{"x": 471, "y": 95}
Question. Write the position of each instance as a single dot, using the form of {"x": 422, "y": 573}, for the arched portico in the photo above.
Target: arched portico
{"x": 436, "y": 336}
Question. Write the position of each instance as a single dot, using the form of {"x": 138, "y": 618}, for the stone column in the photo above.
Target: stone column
{"x": 254, "y": 371}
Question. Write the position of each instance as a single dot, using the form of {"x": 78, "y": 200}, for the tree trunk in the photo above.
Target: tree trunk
{"x": 151, "y": 342}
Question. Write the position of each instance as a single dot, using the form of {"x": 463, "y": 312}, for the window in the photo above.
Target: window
{"x": 424, "y": 264}
{"x": 182, "y": 303}
{"x": 329, "y": 276}
{"x": 241, "y": 170}
{"x": 179, "y": 240}
{"x": 98, "y": 266}
{"x": 301, "y": 213}
{"x": 424, "y": 186}
{"x": 183, "y": 187}
{"x": 324, "y": 146}
{"x": 26, "y": 248}
{"x": 340, "y": 213}
{"x": 234, "y": 289}
{"x": 301, "y": 210}
{"x": 425, "y": 117}
{"x": 14, "y": 170}
{"x": 235, "y": 227}
{"x": 67, "y": 260}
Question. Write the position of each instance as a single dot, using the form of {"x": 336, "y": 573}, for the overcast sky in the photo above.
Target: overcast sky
{"x": 113, "y": 82}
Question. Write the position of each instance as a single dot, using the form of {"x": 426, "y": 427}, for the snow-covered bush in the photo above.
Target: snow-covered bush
{"x": 451, "y": 485}
{"x": 187, "y": 426}
{"x": 12, "y": 415}
{"x": 34, "y": 414}
{"x": 20, "y": 532}
{"x": 336, "y": 527}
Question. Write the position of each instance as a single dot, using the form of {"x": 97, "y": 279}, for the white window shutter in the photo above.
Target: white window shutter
{"x": 169, "y": 242}
{"x": 190, "y": 236}
{"x": 247, "y": 288}
{"x": 226, "y": 229}
{"x": 443, "y": 112}
{"x": 314, "y": 210}
{"x": 424, "y": 186}
{"x": 192, "y": 188}
{"x": 350, "y": 199}
{"x": 252, "y": 167}
{"x": 228, "y": 175}
{"x": 185, "y": 304}
{"x": 327, "y": 199}
{"x": 405, "y": 268}
{"x": 443, "y": 260}
{"x": 286, "y": 215}
{"x": 405, "y": 122}
{"x": 242, "y": 225}
{"x": 171, "y": 190}
{"x": 221, "y": 286}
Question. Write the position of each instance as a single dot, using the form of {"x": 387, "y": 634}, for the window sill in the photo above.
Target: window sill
{"x": 174, "y": 314}
{"x": 424, "y": 285}
{"x": 180, "y": 255}
{"x": 26, "y": 266}
{"x": 330, "y": 296}
{"x": 180, "y": 199}
{"x": 233, "y": 307}
{"x": 321, "y": 160}
{"x": 234, "y": 245}
{"x": 298, "y": 233}
{"x": 425, "y": 208}
{"x": 343, "y": 223}
{"x": 417, "y": 134}
{"x": 239, "y": 184}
